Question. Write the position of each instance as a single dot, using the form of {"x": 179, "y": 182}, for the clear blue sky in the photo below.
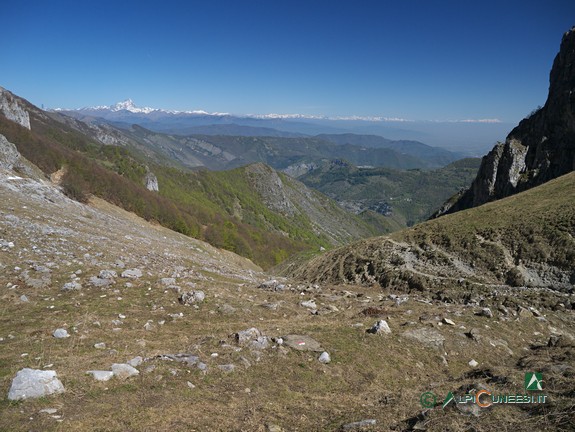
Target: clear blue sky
{"x": 420, "y": 60}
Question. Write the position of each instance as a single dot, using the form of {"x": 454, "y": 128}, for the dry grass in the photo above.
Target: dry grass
{"x": 370, "y": 376}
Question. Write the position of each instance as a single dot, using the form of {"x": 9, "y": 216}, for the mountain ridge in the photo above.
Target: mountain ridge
{"x": 224, "y": 208}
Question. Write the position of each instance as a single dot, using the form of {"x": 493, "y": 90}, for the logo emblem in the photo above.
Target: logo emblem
{"x": 533, "y": 381}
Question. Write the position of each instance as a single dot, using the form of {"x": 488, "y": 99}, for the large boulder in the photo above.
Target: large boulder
{"x": 34, "y": 383}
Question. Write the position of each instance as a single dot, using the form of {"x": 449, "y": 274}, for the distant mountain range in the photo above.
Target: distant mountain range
{"x": 468, "y": 136}
{"x": 220, "y": 141}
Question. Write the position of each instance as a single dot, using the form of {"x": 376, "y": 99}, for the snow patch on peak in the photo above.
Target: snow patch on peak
{"x": 128, "y": 105}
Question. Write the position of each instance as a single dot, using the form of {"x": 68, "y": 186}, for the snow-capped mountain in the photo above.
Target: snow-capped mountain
{"x": 444, "y": 134}
{"x": 128, "y": 106}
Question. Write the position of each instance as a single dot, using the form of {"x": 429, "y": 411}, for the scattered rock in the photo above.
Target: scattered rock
{"x": 24, "y": 299}
{"x": 486, "y": 312}
{"x": 535, "y": 312}
{"x": 274, "y": 428}
{"x": 380, "y": 327}
{"x": 359, "y": 425}
{"x": 310, "y": 304}
{"x": 107, "y": 274}
{"x": 132, "y": 273}
{"x": 100, "y": 345}
{"x": 191, "y": 297}
{"x": 190, "y": 385}
{"x": 473, "y": 363}
{"x": 399, "y": 299}
{"x": 124, "y": 370}
{"x": 245, "y": 336}
{"x": 100, "y": 375}
{"x": 72, "y": 286}
{"x": 524, "y": 313}
{"x": 34, "y": 383}
{"x": 168, "y": 281}
{"x": 190, "y": 359}
{"x": 448, "y": 321}
{"x": 427, "y": 336}
{"x": 48, "y": 411}
{"x": 227, "y": 367}
{"x": 272, "y": 285}
{"x": 99, "y": 282}
{"x": 302, "y": 343}
{"x": 136, "y": 361}
{"x": 473, "y": 334}
{"x": 60, "y": 333}
{"x": 324, "y": 357}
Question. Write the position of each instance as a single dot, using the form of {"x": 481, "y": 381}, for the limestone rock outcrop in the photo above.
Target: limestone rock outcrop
{"x": 539, "y": 149}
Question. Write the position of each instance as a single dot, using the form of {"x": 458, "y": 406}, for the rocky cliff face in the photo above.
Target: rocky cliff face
{"x": 151, "y": 182}
{"x": 12, "y": 109}
{"x": 540, "y": 148}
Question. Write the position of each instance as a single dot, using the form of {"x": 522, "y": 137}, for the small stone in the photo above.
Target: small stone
{"x": 148, "y": 326}
{"x": 60, "y": 333}
{"x": 473, "y": 363}
{"x": 426, "y": 336}
{"x": 245, "y": 336}
{"x": 227, "y": 367}
{"x": 100, "y": 375}
{"x": 324, "y": 357}
{"x": 190, "y": 385}
{"x": 192, "y": 297}
{"x": 34, "y": 383}
{"x": 486, "y": 312}
{"x": 132, "y": 273}
{"x": 272, "y": 285}
{"x": 302, "y": 343}
{"x": 48, "y": 411}
{"x": 168, "y": 281}
{"x": 124, "y": 371}
{"x": 100, "y": 345}
{"x": 310, "y": 304}
{"x": 535, "y": 312}
{"x": 448, "y": 322}
{"x": 136, "y": 361}
{"x": 72, "y": 286}
{"x": 24, "y": 299}
{"x": 380, "y": 327}
{"x": 99, "y": 282}
{"x": 107, "y": 274}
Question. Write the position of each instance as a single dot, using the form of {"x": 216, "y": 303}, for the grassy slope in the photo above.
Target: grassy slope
{"x": 537, "y": 225}
{"x": 527, "y": 239}
{"x": 370, "y": 376}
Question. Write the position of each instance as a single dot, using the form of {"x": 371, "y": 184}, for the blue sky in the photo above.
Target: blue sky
{"x": 419, "y": 60}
